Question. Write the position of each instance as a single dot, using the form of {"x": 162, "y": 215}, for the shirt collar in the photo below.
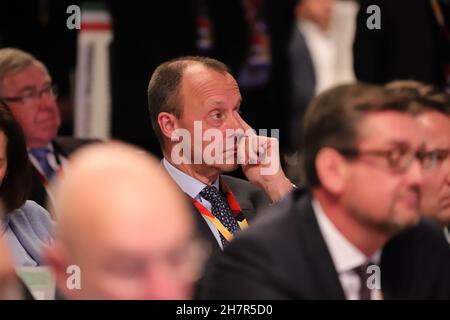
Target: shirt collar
{"x": 447, "y": 234}
{"x": 188, "y": 184}
{"x": 344, "y": 254}
{"x": 49, "y": 147}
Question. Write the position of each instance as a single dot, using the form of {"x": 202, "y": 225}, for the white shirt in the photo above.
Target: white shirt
{"x": 447, "y": 235}
{"x": 323, "y": 52}
{"x": 193, "y": 187}
{"x": 345, "y": 255}
{"x": 343, "y": 29}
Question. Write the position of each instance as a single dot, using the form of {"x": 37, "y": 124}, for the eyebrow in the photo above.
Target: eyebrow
{"x": 33, "y": 88}
{"x": 398, "y": 143}
{"x": 27, "y": 88}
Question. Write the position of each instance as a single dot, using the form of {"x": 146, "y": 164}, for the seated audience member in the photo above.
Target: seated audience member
{"x": 319, "y": 54}
{"x": 26, "y": 226}
{"x": 125, "y": 226}
{"x": 199, "y": 96}
{"x": 434, "y": 122}
{"x": 362, "y": 163}
{"x": 27, "y": 89}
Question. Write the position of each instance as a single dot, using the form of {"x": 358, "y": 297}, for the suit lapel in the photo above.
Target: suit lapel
{"x": 322, "y": 266}
{"x": 244, "y": 202}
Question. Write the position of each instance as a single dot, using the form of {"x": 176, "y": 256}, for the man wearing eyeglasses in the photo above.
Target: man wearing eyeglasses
{"x": 27, "y": 89}
{"x": 363, "y": 161}
{"x": 434, "y": 122}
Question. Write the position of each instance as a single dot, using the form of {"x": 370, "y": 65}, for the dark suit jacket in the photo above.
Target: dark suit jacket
{"x": 284, "y": 256}
{"x": 415, "y": 264}
{"x": 63, "y": 146}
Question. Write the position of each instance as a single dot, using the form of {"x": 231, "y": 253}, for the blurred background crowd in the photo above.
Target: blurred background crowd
{"x": 282, "y": 53}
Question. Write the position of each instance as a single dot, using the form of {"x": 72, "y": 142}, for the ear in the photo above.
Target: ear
{"x": 331, "y": 169}
{"x": 167, "y": 124}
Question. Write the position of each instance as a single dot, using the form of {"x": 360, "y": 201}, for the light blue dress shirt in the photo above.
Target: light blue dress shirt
{"x": 193, "y": 187}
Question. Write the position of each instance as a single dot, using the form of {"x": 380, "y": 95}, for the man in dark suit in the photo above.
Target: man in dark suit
{"x": 362, "y": 162}
{"x": 194, "y": 107}
{"x": 27, "y": 89}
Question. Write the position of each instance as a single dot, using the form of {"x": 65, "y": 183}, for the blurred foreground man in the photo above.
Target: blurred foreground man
{"x": 362, "y": 161}
{"x": 125, "y": 225}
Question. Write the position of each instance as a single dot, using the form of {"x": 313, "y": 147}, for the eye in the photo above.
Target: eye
{"x": 128, "y": 270}
{"x": 47, "y": 89}
{"x": 216, "y": 115}
{"x": 29, "y": 94}
{"x": 441, "y": 155}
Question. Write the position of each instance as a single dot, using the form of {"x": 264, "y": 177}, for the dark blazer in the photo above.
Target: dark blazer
{"x": 284, "y": 256}
{"x": 415, "y": 264}
{"x": 63, "y": 147}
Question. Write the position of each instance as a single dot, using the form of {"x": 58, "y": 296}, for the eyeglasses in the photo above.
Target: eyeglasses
{"x": 437, "y": 157}
{"x": 399, "y": 159}
{"x": 33, "y": 95}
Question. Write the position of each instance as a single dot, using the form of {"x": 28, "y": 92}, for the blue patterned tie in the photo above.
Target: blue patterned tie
{"x": 221, "y": 210}
{"x": 41, "y": 156}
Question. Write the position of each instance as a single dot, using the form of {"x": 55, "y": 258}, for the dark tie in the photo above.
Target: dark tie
{"x": 364, "y": 291}
{"x": 41, "y": 156}
{"x": 221, "y": 210}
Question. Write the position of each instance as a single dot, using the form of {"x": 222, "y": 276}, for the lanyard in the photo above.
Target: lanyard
{"x": 235, "y": 210}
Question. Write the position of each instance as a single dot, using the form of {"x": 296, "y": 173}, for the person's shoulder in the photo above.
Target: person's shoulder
{"x": 246, "y": 193}
{"x": 34, "y": 217}
{"x": 424, "y": 242}
{"x": 278, "y": 223}
{"x": 238, "y": 183}
{"x": 425, "y": 232}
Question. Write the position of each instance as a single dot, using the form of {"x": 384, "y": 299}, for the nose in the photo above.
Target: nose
{"x": 446, "y": 170}
{"x": 48, "y": 102}
{"x": 236, "y": 121}
{"x": 415, "y": 174}
{"x": 163, "y": 284}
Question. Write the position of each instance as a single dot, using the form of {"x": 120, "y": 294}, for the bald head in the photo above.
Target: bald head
{"x": 109, "y": 183}
{"x": 117, "y": 210}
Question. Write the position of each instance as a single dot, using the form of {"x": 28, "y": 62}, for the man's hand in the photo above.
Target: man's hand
{"x": 260, "y": 160}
